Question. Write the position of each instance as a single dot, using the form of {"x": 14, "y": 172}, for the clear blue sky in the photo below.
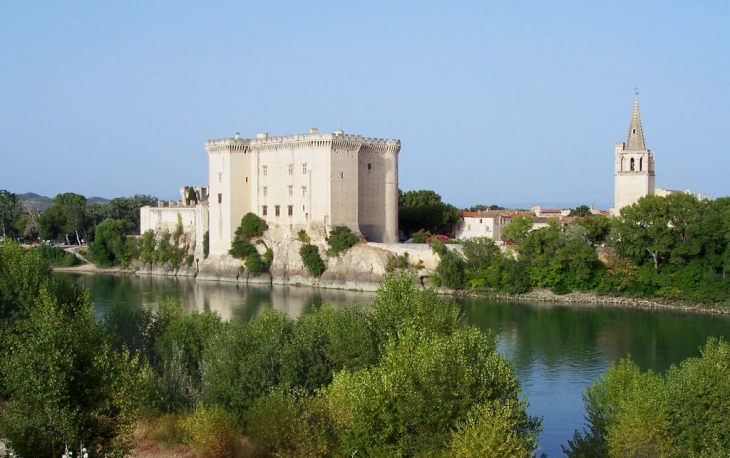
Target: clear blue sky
{"x": 494, "y": 102}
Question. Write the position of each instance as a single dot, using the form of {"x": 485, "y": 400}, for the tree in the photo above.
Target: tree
{"x": 10, "y": 211}
{"x": 312, "y": 260}
{"x": 340, "y": 239}
{"x": 424, "y": 210}
{"x": 72, "y": 208}
{"x": 517, "y": 229}
{"x": 598, "y": 228}
{"x": 110, "y": 245}
{"x": 582, "y": 211}
{"x": 482, "y": 208}
{"x": 67, "y": 385}
{"x": 127, "y": 209}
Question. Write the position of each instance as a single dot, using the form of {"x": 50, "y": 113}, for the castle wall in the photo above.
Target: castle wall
{"x": 165, "y": 219}
{"x": 313, "y": 179}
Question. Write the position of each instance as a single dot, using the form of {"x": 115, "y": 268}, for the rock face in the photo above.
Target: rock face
{"x": 362, "y": 267}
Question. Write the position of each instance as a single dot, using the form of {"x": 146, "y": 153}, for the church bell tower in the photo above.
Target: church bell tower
{"x": 634, "y": 167}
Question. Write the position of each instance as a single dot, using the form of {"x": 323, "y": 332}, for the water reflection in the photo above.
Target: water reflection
{"x": 557, "y": 349}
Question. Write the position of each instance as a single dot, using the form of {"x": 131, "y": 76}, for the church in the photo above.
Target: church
{"x": 634, "y": 167}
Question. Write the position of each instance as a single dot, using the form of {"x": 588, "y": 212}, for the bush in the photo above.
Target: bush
{"x": 206, "y": 244}
{"x": 451, "y": 269}
{"x": 242, "y": 249}
{"x": 312, "y": 260}
{"x": 57, "y": 256}
{"x": 302, "y": 236}
{"x": 251, "y": 226}
{"x": 254, "y": 264}
{"x": 421, "y": 236}
{"x": 212, "y": 432}
{"x": 341, "y": 238}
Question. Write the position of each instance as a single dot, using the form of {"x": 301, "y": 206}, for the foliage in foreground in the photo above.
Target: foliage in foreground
{"x": 65, "y": 384}
{"x": 685, "y": 412}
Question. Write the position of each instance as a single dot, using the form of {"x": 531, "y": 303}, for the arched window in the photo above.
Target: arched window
{"x": 621, "y": 167}
{"x": 641, "y": 163}
{"x": 631, "y": 164}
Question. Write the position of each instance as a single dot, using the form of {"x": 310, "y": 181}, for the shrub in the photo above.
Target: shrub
{"x": 242, "y": 248}
{"x": 251, "y": 226}
{"x": 302, "y": 236}
{"x": 254, "y": 264}
{"x": 451, "y": 269}
{"x": 397, "y": 262}
{"x": 212, "y": 432}
{"x": 206, "y": 244}
{"x": 421, "y": 236}
{"x": 341, "y": 238}
{"x": 312, "y": 260}
{"x": 57, "y": 256}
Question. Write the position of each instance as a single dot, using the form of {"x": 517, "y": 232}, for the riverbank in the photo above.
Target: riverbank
{"x": 582, "y": 297}
{"x": 536, "y": 295}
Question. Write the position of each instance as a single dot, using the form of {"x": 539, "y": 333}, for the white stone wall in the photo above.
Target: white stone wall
{"x": 194, "y": 221}
{"x": 315, "y": 176}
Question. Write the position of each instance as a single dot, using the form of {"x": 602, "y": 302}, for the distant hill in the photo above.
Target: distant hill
{"x": 35, "y": 202}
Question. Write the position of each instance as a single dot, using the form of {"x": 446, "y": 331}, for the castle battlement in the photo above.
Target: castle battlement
{"x": 336, "y": 139}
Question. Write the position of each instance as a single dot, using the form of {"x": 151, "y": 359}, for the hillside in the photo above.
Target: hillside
{"x": 35, "y": 202}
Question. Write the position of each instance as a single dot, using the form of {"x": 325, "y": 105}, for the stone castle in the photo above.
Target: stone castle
{"x": 311, "y": 181}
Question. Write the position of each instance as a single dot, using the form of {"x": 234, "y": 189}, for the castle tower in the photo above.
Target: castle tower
{"x": 634, "y": 167}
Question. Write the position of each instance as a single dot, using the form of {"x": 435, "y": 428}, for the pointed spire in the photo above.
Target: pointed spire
{"x": 635, "y": 141}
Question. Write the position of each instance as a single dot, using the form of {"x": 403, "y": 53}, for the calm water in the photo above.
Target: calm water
{"x": 557, "y": 349}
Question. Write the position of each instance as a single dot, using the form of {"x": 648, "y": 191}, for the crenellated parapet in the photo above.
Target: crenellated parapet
{"x": 334, "y": 140}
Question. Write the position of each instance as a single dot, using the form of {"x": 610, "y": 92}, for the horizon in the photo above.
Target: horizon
{"x": 493, "y": 104}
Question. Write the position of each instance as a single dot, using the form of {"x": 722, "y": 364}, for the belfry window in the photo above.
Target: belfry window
{"x": 641, "y": 163}
{"x": 631, "y": 164}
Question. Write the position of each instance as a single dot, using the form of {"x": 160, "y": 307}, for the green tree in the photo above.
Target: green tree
{"x": 642, "y": 232}
{"x": 10, "y": 212}
{"x": 110, "y": 245}
{"x": 518, "y": 228}
{"x": 598, "y": 227}
{"x": 340, "y": 239}
{"x": 582, "y": 211}
{"x": 423, "y": 210}
{"x": 67, "y": 385}
{"x": 312, "y": 260}
{"x": 72, "y": 209}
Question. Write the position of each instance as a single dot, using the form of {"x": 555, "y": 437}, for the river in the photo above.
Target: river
{"x": 557, "y": 349}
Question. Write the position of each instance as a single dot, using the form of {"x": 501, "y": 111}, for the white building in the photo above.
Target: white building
{"x": 482, "y": 224}
{"x": 634, "y": 166}
{"x": 310, "y": 181}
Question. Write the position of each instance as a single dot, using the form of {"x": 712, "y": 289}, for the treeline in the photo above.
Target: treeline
{"x": 675, "y": 247}
{"x": 70, "y": 218}
{"x": 403, "y": 377}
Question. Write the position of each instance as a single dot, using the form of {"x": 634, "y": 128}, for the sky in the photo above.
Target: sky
{"x": 510, "y": 102}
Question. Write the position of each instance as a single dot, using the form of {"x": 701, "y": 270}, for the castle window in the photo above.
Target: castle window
{"x": 480, "y": 221}
{"x": 277, "y": 210}
{"x": 304, "y": 168}
{"x": 265, "y": 170}
{"x": 265, "y": 190}
{"x": 291, "y": 169}
{"x": 304, "y": 191}
{"x": 633, "y": 131}
{"x": 264, "y": 210}
{"x": 291, "y": 210}
{"x": 370, "y": 166}
{"x": 220, "y": 198}
{"x": 631, "y": 164}
{"x": 291, "y": 190}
